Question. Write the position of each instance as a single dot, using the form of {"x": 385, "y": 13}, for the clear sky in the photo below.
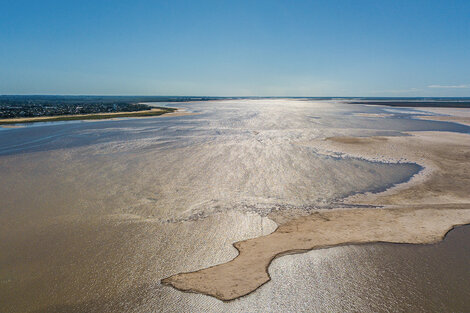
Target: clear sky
{"x": 236, "y": 48}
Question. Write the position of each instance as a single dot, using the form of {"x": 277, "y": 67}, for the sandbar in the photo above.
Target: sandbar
{"x": 420, "y": 211}
{"x": 373, "y": 114}
{"x": 456, "y": 115}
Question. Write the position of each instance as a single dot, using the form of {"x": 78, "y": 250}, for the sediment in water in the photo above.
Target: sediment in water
{"x": 420, "y": 211}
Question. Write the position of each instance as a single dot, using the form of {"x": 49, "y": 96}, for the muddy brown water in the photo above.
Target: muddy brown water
{"x": 94, "y": 215}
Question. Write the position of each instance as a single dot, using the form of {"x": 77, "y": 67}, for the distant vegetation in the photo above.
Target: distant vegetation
{"x": 56, "y": 106}
{"x": 38, "y": 106}
{"x": 98, "y": 116}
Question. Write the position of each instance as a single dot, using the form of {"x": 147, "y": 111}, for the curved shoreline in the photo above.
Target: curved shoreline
{"x": 249, "y": 270}
{"x": 444, "y": 157}
{"x": 421, "y": 210}
{"x": 340, "y": 145}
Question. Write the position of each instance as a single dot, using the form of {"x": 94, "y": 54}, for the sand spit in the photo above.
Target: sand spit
{"x": 420, "y": 211}
{"x": 455, "y": 119}
{"x": 447, "y": 111}
{"x": 178, "y": 112}
{"x": 455, "y": 115}
{"x": 373, "y": 114}
{"x": 248, "y": 270}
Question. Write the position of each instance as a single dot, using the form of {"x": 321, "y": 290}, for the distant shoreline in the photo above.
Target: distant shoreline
{"x": 92, "y": 116}
{"x": 415, "y": 103}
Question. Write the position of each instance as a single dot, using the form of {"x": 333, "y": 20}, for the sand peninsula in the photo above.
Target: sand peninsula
{"x": 420, "y": 211}
{"x": 96, "y": 116}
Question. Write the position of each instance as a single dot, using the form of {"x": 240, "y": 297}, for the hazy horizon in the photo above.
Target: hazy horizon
{"x": 243, "y": 48}
{"x": 233, "y": 96}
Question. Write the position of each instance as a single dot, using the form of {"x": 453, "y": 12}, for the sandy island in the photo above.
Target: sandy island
{"x": 419, "y": 211}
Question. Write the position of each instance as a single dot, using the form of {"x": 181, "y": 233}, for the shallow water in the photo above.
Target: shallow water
{"x": 94, "y": 214}
{"x": 361, "y": 278}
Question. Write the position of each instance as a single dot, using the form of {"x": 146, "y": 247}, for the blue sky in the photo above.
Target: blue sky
{"x": 236, "y": 48}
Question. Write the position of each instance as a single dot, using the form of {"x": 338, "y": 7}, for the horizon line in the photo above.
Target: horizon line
{"x": 208, "y": 96}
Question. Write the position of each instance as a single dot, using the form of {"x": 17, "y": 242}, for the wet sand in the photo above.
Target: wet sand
{"x": 249, "y": 270}
{"x": 420, "y": 211}
{"x": 445, "y": 157}
{"x": 455, "y": 119}
{"x": 455, "y": 115}
{"x": 464, "y": 112}
{"x": 374, "y": 114}
{"x": 10, "y": 126}
{"x": 94, "y": 215}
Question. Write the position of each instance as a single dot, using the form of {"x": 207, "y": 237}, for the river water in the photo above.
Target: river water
{"x": 94, "y": 214}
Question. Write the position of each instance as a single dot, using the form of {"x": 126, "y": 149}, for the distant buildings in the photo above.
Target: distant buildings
{"x": 12, "y": 109}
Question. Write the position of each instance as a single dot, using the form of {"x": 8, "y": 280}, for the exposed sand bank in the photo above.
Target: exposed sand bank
{"x": 11, "y": 126}
{"x": 445, "y": 157}
{"x": 420, "y": 211}
{"x": 179, "y": 112}
{"x": 447, "y": 111}
{"x": 456, "y": 115}
{"x": 248, "y": 270}
{"x": 374, "y": 114}
{"x": 456, "y": 119}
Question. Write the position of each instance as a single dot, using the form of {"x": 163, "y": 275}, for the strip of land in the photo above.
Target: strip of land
{"x": 248, "y": 270}
{"x": 93, "y": 116}
{"x": 455, "y": 115}
{"x": 417, "y": 103}
{"x": 420, "y": 211}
